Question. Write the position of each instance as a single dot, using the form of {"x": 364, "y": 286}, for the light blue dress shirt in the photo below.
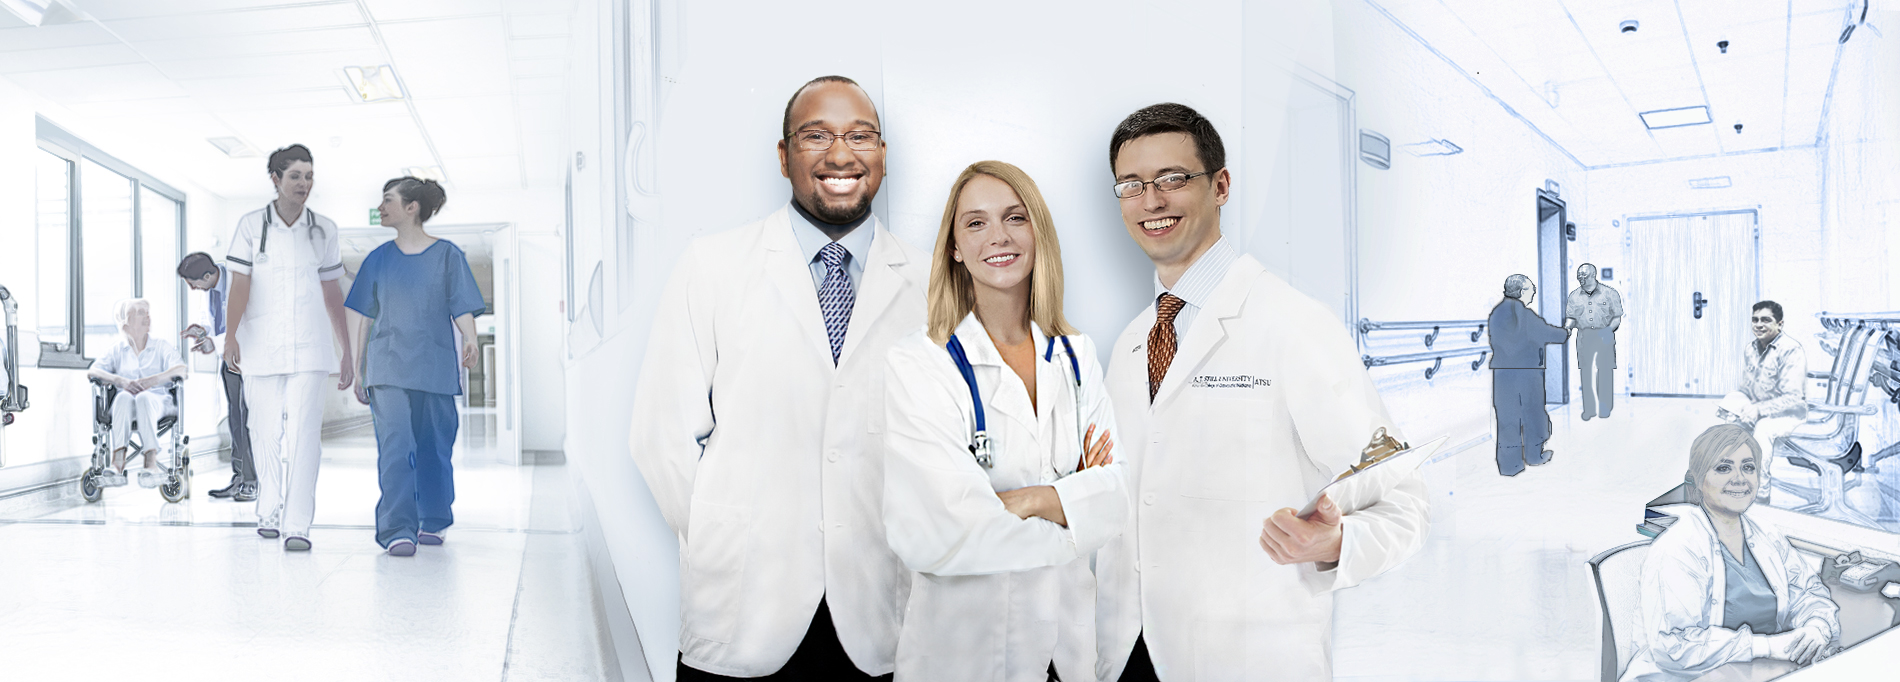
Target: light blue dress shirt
{"x": 857, "y": 246}
{"x": 1197, "y": 285}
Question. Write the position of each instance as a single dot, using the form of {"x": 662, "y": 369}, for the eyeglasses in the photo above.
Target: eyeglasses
{"x": 1166, "y": 183}
{"x": 820, "y": 140}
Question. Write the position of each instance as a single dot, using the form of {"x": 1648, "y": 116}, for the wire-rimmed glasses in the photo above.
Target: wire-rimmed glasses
{"x": 1130, "y": 189}
{"x": 820, "y": 140}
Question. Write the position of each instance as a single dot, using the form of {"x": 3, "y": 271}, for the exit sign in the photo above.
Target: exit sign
{"x": 375, "y": 217}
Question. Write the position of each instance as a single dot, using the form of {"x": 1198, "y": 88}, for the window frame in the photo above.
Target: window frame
{"x": 57, "y": 141}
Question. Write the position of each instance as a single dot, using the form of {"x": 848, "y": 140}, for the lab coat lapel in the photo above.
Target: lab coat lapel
{"x": 1209, "y": 328}
{"x": 883, "y": 279}
{"x": 789, "y": 271}
{"x": 982, "y": 352}
{"x": 1763, "y": 549}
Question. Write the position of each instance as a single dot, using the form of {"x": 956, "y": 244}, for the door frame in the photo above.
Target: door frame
{"x": 1628, "y": 222}
{"x": 1561, "y": 396}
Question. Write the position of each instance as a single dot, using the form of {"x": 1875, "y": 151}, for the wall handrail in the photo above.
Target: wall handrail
{"x": 1368, "y": 326}
{"x": 1437, "y": 359}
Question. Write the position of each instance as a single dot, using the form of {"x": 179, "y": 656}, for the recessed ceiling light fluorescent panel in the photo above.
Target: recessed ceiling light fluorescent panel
{"x": 1675, "y": 118}
{"x": 1433, "y": 148}
{"x": 373, "y": 83}
{"x": 1717, "y": 182}
{"x": 232, "y": 147}
{"x": 30, "y": 11}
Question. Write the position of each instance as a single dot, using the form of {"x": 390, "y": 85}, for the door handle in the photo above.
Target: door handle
{"x": 1699, "y": 302}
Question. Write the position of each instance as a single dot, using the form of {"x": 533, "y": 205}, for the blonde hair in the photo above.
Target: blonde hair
{"x": 1710, "y": 447}
{"x": 952, "y": 295}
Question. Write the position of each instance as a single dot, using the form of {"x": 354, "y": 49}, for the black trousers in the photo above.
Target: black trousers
{"x": 819, "y": 657}
{"x": 1140, "y": 668}
{"x": 242, "y": 468}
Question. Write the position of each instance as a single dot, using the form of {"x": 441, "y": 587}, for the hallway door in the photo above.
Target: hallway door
{"x": 1553, "y": 281}
{"x": 1682, "y": 265}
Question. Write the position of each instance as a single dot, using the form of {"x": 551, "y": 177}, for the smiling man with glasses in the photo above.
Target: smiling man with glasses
{"x": 779, "y": 328}
{"x": 1243, "y": 395}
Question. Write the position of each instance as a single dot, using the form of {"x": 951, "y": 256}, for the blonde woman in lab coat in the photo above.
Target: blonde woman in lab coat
{"x": 1719, "y": 588}
{"x": 1000, "y": 546}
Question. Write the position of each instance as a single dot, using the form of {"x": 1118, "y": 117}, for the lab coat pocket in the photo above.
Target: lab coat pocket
{"x": 712, "y": 584}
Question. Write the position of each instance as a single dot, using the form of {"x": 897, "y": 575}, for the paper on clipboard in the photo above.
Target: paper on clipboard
{"x": 1363, "y": 488}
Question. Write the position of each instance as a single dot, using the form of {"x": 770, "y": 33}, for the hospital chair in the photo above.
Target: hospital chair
{"x": 177, "y": 484}
{"x": 1828, "y": 444}
{"x": 1619, "y": 577}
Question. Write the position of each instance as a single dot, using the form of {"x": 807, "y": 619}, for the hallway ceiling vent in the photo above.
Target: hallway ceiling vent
{"x": 1716, "y": 182}
{"x": 1375, "y": 149}
{"x": 1433, "y": 148}
{"x": 233, "y": 147}
{"x": 1675, "y": 118}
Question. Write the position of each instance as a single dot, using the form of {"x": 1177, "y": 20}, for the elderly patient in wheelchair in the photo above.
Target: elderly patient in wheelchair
{"x": 141, "y": 368}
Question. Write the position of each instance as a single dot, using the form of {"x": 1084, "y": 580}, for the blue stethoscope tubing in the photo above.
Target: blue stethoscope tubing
{"x": 980, "y": 438}
{"x": 263, "y": 238}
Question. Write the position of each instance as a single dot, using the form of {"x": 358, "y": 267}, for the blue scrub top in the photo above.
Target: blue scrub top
{"x": 414, "y": 301}
{"x": 1749, "y": 599}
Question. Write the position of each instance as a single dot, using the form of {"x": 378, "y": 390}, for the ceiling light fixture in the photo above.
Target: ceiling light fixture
{"x": 1716, "y": 182}
{"x": 424, "y": 172}
{"x": 233, "y": 147}
{"x": 1433, "y": 148}
{"x": 373, "y": 83}
{"x": 1675, "y": 118}
{"x": 30, "y": 11}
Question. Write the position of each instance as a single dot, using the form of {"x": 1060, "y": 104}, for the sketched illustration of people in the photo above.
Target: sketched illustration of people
{"x": 1517, "y": 376}
{"x": 1595, "y": 310}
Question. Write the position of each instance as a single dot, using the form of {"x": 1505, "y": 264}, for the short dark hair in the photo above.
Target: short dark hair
{"x": 1168, "y": 117}
{"x": 196, "y": 265}
{"x": 417, "y": 190}
{"x": 785, "y": 128}
{"x": 281, "y": 159}
{"x": 1772, "y": 307}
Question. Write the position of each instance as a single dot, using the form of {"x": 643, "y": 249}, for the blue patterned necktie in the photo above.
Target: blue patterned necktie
{"x": 835, "y": 296}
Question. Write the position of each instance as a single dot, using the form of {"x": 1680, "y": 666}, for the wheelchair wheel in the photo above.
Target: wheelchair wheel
{"x": 176, "y": 487}
{"x": 89, "y": 487}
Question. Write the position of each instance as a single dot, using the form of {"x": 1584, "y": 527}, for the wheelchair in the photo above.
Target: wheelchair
{"x": 177, "y": 484}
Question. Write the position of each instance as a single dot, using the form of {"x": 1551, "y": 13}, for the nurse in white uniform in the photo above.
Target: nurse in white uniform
{"x": 995, "y": 505}
{"x": 286, "y": 308}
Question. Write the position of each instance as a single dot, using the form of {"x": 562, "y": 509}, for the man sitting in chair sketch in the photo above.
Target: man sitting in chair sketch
{"x": 140, "y": 366}
{"x": 1772, "y": 400}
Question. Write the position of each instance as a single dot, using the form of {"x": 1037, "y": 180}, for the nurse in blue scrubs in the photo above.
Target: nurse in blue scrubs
{"x": 410, "y": 296}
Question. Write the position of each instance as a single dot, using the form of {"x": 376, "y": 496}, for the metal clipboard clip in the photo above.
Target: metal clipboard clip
{"x": 1381, "y": 447}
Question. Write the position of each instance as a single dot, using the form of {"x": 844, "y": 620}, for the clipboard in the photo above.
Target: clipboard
{"x": 1381, "y": 465}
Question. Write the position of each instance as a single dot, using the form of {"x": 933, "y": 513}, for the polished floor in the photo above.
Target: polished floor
{"x": 134, "y": 588}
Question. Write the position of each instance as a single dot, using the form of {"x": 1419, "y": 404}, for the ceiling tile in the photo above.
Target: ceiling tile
{"x": 470, "y": 126}
{"x": 99, "y": 84}
{"x": 104, "y": 10}
{"x": 537, "y": 25}
{"x": 219, "y": 24}
{"x": 401, "y": 10}
{"x": 450, "y": 57}
{"x": 538, "y": 48}
{"x": 62, "y": 35}
{"x": 483, "y": 172}
{"x": 537, "y": 67}
{"x": 266, "y": 65}
{"x": 67, "y": 58}
{"x": 540, "y": 85}
{"x": 236, "y": 46}
{"x": 541, "y": 113}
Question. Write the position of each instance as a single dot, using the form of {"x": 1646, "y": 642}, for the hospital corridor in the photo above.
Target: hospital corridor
{"x": 999, "y": 341}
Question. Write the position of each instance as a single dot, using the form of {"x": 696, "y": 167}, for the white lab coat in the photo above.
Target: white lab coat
{"x": 779, "y": 502}
{"x": 996, "y": 597}
{"x": 285, "y": 329}
{"x": 1265, "y": 402}
{"x": 1684, "y": 596}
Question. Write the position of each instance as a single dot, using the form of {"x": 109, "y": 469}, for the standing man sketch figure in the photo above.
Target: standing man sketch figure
{"x": 1236, "y": 395}
{"x": 204, "y": 274}
{"x": 780, "y": 329}
{"x": 1595, "y": 310}
{"x": 1517, "y": 376}
{"x": 1772, "y": 400}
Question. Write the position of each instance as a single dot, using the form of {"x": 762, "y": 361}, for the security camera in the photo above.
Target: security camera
{"x": 1724, "y": 45}
{"x": 1738, "y": 129}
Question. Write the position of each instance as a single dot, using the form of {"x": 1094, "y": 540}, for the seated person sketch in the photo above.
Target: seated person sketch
{"x": 1718, "y": 588}
{"x": 1772, "y": 400}
{"x": 140, "y": 365}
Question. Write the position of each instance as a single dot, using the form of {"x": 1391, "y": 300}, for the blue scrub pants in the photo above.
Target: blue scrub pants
{"x": 415, "y": 434}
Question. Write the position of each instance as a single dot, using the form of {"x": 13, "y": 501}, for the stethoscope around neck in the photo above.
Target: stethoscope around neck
{"x": 270, "y": 213}
{"x": 980, "y": 438}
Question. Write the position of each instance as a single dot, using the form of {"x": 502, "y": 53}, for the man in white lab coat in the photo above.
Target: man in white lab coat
{"x": 778, "y": 330}
{"x": 1237, "y": 396}
{"x": 285, "y": 313}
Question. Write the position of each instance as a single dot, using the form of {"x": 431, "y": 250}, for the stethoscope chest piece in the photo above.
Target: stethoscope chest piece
{"x": 980, "y": 447}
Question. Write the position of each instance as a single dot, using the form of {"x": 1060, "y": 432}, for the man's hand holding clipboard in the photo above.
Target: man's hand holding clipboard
{"x": 1313, "y": 534}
